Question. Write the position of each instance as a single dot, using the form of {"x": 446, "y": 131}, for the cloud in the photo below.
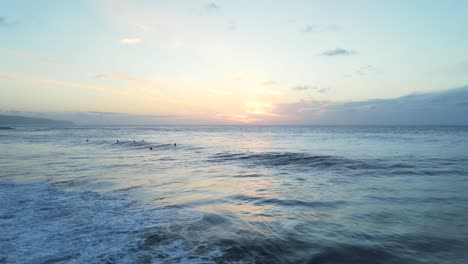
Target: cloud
{"x": 140, "y": 26}
{"x": 116, "y": 118}
{"x": 236, "y": 118}
{"x": 209, "y": 9}
{"x": 303, "y": 87}
{"x": 3, "y": 22}
{"x": 21, "y": 55}
{"x": 338, "y": 52}
{"x": 144, "y": 86}
{"x": 319, "y": 29}
{"x": 212, "y": 6}
{"x": 323, "y": 90}
{"x": 232, "y": 26}
{"x": 363, "y": 71}
{"x": 141, "y": 88}
{"x": 268, "y": 88}
{"x": 34, "y": 80}
{"x": 138, "y": 89}
{"x": 104, "y": 113}
{"x": 270, "y": 83}
{"x": 124, "y": 77}
{"x": 438, "y": 108}
{"x": 102, "y": 118}
{"x": 130, "y": 41}
{"x": 315, "y": 88}
{"x": 259, "y": 108}
{"x": 310, "y": 29}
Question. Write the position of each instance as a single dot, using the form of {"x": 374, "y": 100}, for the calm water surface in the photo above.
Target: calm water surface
{"x": 228, "y": 194}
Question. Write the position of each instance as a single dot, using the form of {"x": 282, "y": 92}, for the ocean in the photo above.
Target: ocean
{"x": 234, "y": 194}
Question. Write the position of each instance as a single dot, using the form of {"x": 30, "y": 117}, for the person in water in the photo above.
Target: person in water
{"x": 151, "y": 148}
{"x": 117, "y": 141}
{"x": 175, "y": 144}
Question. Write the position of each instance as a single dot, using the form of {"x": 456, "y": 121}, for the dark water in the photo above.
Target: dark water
{"x": 234, "y": 195}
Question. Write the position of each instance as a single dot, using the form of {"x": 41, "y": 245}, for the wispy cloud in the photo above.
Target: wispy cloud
{"x": 104, "y": 113}
{"x": 207, "y": 10}
{"x": 130, "y": 41}
{"x": 222, "y": 92}
{"x": 315, "y": 88}
{"x": 35, "y": 80}
{"x": 363, "y": 71}
{"x": 22, "y": 55}
{"x": 366, "y": 70}
{"x": 324, "y": 90}
{"x": 236, "y": 118}
{"x": 145, "y": 88}
{"x": 232, "y": 26}
{"x": 140, "y": 26}
{"x": 141, "y": 89}
{"x": 303, "y": 87}
{"x": 145, "y": 85}
{"x": 270, "y": 83}
{"x": 3, "y": 21}
{"x": 122, "y": 76}
{"x": 103, "y": 117}
{"x": 268, "y": 88}
{"x": 338, "y": 52}
{"x": 310, "y": 29}
{"x": 212, "y": 6}
{"x": 318, "y": 29}
{"x": 259, "y": 108}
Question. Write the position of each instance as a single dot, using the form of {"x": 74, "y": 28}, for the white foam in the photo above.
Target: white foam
{"x": 41, "y": 223}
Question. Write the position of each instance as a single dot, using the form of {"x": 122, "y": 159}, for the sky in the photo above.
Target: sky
{"x": 236, "y": 62}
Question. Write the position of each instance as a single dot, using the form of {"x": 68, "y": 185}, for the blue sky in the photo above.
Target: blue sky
{"x": 226, "y": 61}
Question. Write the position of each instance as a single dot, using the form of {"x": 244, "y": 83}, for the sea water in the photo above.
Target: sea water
{"x": 234, "y": 194}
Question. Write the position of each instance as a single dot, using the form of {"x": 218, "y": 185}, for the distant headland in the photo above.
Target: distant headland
{"x": 7, "y": 121}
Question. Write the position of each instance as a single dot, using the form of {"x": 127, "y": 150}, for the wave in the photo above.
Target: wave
{"x": 356, "y": 254}
{"x": 44, "y": 223}
{"x": 303, "y": 162}
{"x": 283, "y": 159}
{"x": 286, "y": 202}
